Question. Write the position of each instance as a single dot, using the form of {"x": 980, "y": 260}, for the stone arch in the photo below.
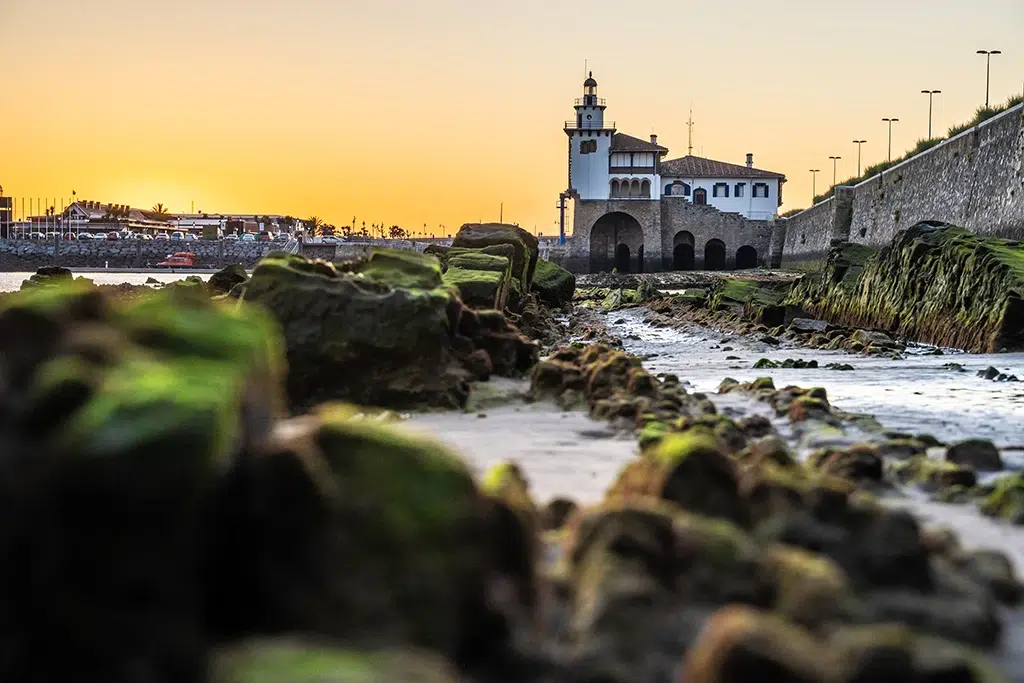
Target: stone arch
{"x": 683, "y": 256}
{"x": 746, "y": 258}
{"x": 714, "y": 255}
{"x": 611, "y": 231}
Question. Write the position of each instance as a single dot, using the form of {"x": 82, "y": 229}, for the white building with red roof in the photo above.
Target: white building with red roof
{"x": 634, "y": 209}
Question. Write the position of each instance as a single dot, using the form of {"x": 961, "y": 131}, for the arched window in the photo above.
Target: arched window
{"x": 615, "y": 188}
{"x": 634, "y": 189}
{"x": 645, "y": 189}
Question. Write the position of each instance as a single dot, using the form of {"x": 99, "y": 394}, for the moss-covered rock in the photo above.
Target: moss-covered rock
{"x": 553, "y": 284}
{"x": 1006, "y": 501}
{"x": 690, "y": 470}
{"x": 483, "y": 280}
{"x": 756, "y": 301}
{"x": 740, "y": 644}
{"x": 524, "y": 263}
{"x": 980, "y": 454}
{"x": 936, "y": 283}
{"x": 295, "y": 661}
{"x": 399, "y": 269}
{"x": 48, "y": 276}
{"x": 352, "y": 530}
{"x": 227, "y": 278}
{"x": 119, "y": 421}
{"x": 351, "y": 338}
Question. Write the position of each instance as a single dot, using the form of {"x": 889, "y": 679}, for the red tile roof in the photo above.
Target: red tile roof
{"x": 627, "y": 143}
{"x": 697, "y": 167}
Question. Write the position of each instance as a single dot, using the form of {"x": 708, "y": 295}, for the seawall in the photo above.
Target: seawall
{"x": 974, "y": 180}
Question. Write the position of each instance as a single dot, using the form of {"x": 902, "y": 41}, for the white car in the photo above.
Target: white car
{"x": 177, "y": 235}
{"x": 232, "y": 236}
{"x": 162, "y": 236}
{"x": 248, "y": 237}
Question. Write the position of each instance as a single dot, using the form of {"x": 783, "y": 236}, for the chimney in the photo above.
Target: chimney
{"x": 654, "y": 139}
{"x": 750, "y": 161}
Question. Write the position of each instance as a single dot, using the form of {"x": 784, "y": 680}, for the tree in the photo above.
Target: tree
{"x": 313, "y": 224}
{"x": 397, "y": 233}
{"x": 160, "y": 209}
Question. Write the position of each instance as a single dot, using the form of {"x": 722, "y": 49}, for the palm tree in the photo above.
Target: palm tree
{"x": 314, "y": 223}
{"x": 159, "y": 209}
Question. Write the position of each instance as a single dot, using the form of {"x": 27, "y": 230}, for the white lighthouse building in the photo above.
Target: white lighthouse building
{"x": 635, "y": 209}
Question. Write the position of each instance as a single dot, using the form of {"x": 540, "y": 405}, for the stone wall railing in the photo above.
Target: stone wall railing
{"x": 974, "y": 180}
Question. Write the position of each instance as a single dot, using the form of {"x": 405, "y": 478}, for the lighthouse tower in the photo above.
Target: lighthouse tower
{"x": 590, "y": 141}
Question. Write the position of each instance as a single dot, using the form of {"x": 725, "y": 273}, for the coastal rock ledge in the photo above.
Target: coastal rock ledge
{"x": 936, "y": 283}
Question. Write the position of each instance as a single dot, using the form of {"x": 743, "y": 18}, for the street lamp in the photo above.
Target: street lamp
{"x": 931, "y": 95}
{"x": 814, "y": 183}
{"x": 858, "y": 143}
{"x": 988, "y": 70}
{"x": 835, "y": 165}
{"x": 890, "y": 122}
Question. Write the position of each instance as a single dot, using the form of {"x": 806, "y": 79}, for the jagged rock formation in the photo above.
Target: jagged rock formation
{"x": 936, "y": 283}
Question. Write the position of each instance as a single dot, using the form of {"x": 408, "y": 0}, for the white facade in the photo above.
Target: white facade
{"x": 588, "y": 170}
{"x": 731, "y": 195}
{"x": 605, "y": 165}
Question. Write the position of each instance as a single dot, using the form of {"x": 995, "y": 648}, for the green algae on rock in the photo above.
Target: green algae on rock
{"x": 483, "y": 281}
{"x": 398, "y": 268}
{"x": 227, "y": 278}
{"x": 295, "y": 661}
{"x": 935, "y": 283}
{"x": 524, "y": 261}
{"x": 553, "y": 284}
{"x": 127, "y": 415}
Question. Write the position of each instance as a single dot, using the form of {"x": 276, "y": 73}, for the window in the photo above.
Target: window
{"x": 720, "y": 190}
{"x": 588, "y": 146}
{"x": 760, "y": 190}
{"x": 740, "y": 187}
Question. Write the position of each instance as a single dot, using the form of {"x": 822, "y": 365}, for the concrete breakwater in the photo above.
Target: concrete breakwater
{"x": 28, "y": 255}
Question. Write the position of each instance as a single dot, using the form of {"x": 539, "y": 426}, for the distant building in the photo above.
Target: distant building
{"x": 634, "y": 210}
{"x": 90, "y": 216}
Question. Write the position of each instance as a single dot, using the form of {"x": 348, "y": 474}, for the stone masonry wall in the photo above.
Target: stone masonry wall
{"x": 974, "y": 180}
{"x": 706, "y": 223}
{"x": 646, "y": 212}
{"x": 28, "y": 255}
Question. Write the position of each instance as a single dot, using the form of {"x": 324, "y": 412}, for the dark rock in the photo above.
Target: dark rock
{"x": 226, "y": 279}
{"x": 554, "y": 285}
{"x": 524, "y": 264}
{"x": 809, "y": 326}
{"x": 978, "y": 454}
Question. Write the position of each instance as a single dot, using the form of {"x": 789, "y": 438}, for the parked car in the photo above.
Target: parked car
{"x": 113, "y": 236}
{"x": 231, "y": 236}
{"x": 264, "y": 237}
{"x": 281, "y": 237}
{"x": 144, "y": 236}
{"x": 190, "y": 237}
{"x": 177, "y": 235}
{"x": 248, "y": 237}
{"x": 36, "y": 236}
{"x": 162, "y": 236}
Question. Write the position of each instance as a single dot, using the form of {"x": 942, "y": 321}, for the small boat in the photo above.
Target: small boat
{"x": 180, "y": 259}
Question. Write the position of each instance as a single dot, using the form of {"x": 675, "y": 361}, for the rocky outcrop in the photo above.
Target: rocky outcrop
{"x": 935, "y": 283}
{"x": 553, "y": 284}
{"x": 384, "y": 333}
{"x": 526, "y": 249}
{"x": 226, "y": 279}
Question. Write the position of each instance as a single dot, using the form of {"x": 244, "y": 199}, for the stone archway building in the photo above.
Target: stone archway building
{"x": 614, "y": 177}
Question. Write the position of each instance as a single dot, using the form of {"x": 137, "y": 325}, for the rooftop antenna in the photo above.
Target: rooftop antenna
{"x": 689, "y": 124}
{"x": 585, "y": 68}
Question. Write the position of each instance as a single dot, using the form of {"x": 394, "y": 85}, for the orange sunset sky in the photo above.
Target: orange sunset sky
{"x": 414, "y": 111}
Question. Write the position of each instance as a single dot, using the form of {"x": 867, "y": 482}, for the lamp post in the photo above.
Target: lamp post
{"x": 814, "y": 183}
{"x": 988, "y": 70}
{"x": 931, "y": 96}
{"x": 890, "y": 122}
{"x": 858, "y": 143}
{"x": 835, "y": 166}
